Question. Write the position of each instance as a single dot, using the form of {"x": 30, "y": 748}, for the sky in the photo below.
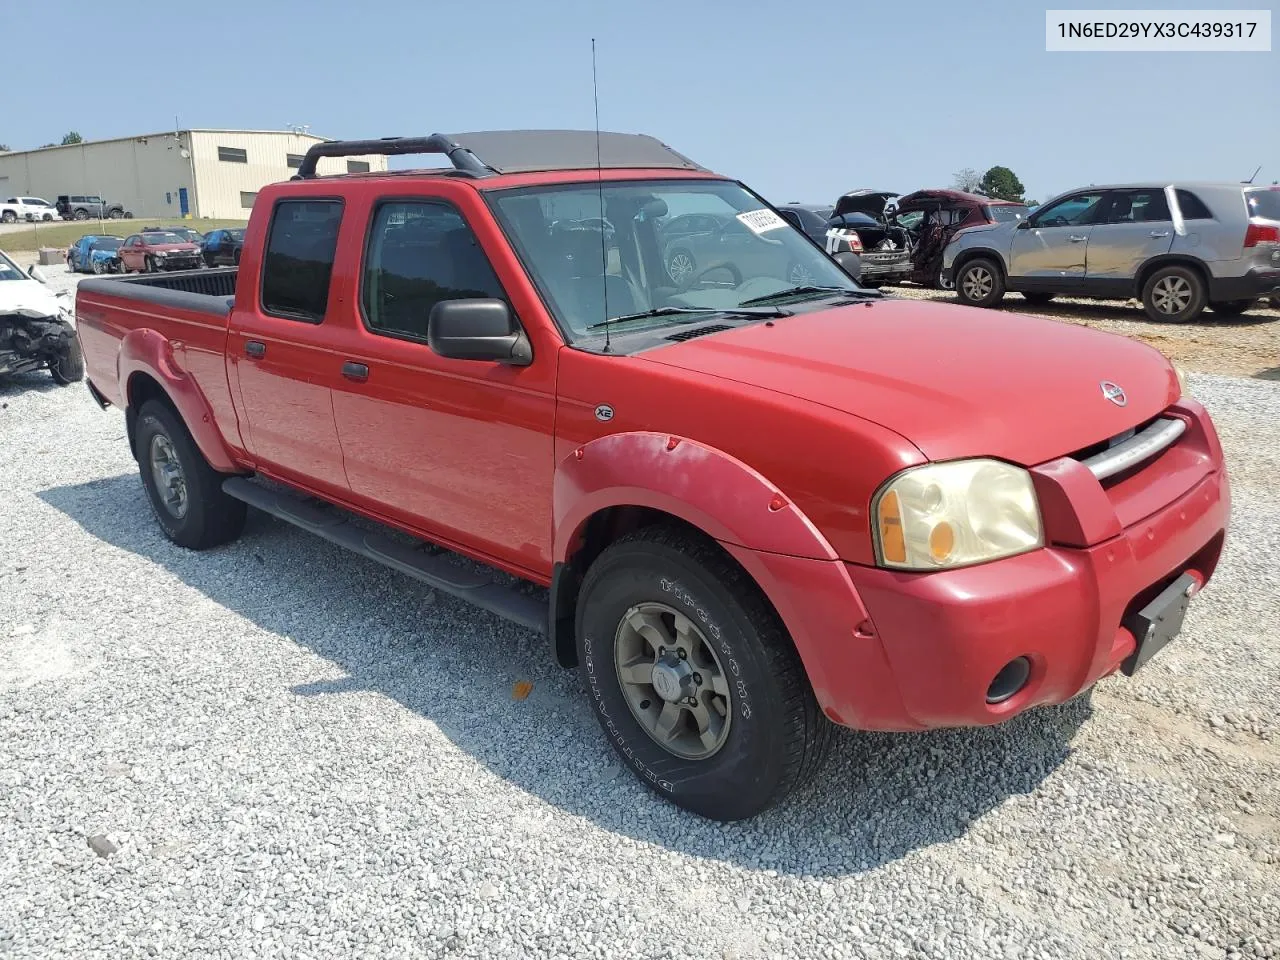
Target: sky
{"x": 801, "y": 100}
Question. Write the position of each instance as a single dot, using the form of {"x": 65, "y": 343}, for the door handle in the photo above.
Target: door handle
{"x": 1157, "y": 234}
{"x": 1077, "y": 239}
{"x": 355, "y": 371}
{"x": 255, "y": 348}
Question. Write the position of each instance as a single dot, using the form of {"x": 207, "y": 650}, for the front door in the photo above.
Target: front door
{"x": 130, "y": 253}
{"x": 282, "y": 351}
{"x": 1053, "y": 245}
{"x": 1133, "y": 227}
{"x": 460, "y": 449}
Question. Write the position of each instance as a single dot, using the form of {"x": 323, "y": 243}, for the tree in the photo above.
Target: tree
{"x": 72, "y": 137}
{"x": 966, "y": 179}
{"x": 1002, "y": 184}
{"x": 4, "y": 148}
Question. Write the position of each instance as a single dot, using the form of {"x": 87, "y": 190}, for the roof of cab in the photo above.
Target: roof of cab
{"x": 485, "y": 154}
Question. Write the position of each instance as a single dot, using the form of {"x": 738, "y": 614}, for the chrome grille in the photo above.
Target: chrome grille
{"x": 1153, "y": 439}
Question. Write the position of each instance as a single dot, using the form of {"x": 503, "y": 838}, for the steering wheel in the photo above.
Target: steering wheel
{"x": 695, "y": 275}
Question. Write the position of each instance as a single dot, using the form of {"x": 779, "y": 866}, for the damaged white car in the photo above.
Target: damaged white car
{"x": 36, "y": 329}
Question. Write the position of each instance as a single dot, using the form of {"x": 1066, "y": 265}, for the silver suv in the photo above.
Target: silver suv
{"x": 1179, "y": 248}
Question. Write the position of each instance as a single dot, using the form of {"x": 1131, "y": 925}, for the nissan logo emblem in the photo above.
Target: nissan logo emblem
{"x": 1114, "y": 392}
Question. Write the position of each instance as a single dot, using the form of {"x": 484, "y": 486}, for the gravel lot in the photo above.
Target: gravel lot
{"x": 294, "y": 752}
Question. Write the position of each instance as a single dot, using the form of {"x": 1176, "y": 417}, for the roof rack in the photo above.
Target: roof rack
{"x": 463, "y": 160}
{"x": 490, "y": 152}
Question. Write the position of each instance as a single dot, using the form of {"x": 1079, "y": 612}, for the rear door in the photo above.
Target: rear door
{"x": 460, "y": 449}
{"x": 282, "y": 350}
{"x": 1051, "y": 250}
{"x": 1132, "y": 227}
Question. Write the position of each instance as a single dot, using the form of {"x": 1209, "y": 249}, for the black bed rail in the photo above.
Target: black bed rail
{"x": 463, "y": 160}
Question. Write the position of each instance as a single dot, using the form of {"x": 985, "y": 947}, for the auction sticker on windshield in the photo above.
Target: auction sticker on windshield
{"x": 761, "y": 221}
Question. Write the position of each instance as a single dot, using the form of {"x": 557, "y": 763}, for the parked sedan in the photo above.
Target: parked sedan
{"x": 152, "y": 252}
{"x": 186, "y": 233}
{"x": 95, "y": 253}
{"x": 223, "y": 246}
{"x": 721, "y": 247}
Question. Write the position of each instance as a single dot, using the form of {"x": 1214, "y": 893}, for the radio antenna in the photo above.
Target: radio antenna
{"x": 1255, "y": 173}
{"x": 604, "y": 245}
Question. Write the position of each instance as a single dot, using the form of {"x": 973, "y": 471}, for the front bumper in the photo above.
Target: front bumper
{"x": 889, "y": 650}
{"x": 180, "y": 263}
{"x": 1255, "y": 283}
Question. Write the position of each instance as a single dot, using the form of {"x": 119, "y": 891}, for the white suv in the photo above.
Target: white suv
{"x": 27, "y": 208}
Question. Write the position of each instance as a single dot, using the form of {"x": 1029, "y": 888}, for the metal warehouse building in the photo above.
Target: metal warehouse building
{"x": 197, "y": 173}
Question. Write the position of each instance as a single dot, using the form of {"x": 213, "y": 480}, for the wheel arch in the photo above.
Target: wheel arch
{"x": 623, "y": 482}
{"x": 1170, "y": 260}
{"x": 147, "y": 372}
{"x": 968, "y": 256}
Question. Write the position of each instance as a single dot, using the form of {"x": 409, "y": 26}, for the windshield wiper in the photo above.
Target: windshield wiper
{"x": 772, "y": 312}
{"x": 809, "y": 288}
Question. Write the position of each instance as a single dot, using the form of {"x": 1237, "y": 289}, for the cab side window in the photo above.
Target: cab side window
{"x": 1137, "y": 206}
{"x": 1071, "y": 212}
{"x": 298, "y": 263}
{"x": 419, "y": 253}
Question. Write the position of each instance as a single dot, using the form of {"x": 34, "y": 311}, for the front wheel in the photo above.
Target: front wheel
{"x": 185, "y": 492}
{"x": 99, "y": 267}
{"x": 149, "y": 265}
{"x": 1174, "y": 294}
{"x": 68, "y": 368}
{"x": 980, "y": 283}
{"x": 692, "y": 677}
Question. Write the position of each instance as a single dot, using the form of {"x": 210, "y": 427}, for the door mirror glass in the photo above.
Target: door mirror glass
{"x": 1023, "y": 225}
{"x": 477, "y": 329}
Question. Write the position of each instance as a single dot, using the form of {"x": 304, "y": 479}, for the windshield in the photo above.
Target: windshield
{"x": 1008, "y": 212}
{"x": 10, "y": 270}
{"x": 696, "y": 244}
{"x": 163, "y": 238}
{"x": 1263, "y": 203}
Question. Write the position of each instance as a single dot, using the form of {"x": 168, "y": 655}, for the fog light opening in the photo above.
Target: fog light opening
{"x": 1011, "y": 678}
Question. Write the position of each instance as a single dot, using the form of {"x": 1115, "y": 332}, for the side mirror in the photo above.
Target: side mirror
{"x": 35, "y": 273}
{"x": 479, "y": 329}
{"x": 1023, "y": 225}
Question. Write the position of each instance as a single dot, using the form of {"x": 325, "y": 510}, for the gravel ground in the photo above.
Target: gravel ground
{"x": 278, "y": 749}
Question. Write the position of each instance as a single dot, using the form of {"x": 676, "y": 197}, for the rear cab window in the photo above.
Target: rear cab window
{"x": 298, "y": 263}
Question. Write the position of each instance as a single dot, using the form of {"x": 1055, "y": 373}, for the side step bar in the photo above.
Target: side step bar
{"x": 435, "y": 571}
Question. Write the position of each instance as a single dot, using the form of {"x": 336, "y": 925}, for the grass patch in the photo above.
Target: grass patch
{"x": 62, "y": 234}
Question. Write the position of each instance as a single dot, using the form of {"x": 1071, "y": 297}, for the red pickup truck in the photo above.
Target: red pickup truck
{"x": 758, "y": 509}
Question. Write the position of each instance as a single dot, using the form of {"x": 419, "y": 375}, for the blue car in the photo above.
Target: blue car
{"x": 95, "y": 254}
{"x": 223, "y": 246}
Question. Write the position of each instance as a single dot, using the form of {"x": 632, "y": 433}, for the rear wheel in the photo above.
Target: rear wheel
{"x": 1232, "y": 308}
{"x": 980, "y": 283}
{"x": 1036, "y": 298}
{"x": 9, "y": 216}
{"x": 185, "y": 492}
{"x": 1174, "y": 294}
{"x": 693, "y": 678}
{"x": 81, "y": 215}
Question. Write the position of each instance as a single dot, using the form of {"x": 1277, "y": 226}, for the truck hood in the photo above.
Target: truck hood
{"x": 955, "y": 381}
{"x": 28, "y": 297}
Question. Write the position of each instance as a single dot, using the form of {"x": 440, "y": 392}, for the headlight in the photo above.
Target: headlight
{"x": 954, "y": 514}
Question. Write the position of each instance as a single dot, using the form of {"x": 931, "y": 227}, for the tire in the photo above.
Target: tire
{"x": 1038, "y": 299}
{"x": 680, "y": 264}
{"x": 69, "y": 368}
{"x": 80, "y": 215}
{"x": 149, "y": 264}
{"x": 1232, "y": 308}
{"x": 98, "y": 267}
{"x": 208, "y": 517}
{"x": 9, "y": 216}
{"x": 115, "y": 214}
{"x": 235, "y": 258}
{"x": 1174, "y": 294}
{"x": 47, "y": 217}
{"x": 980, "y": 283}
{"x": 128, "y": 215}
{"x": 772, "y": 737}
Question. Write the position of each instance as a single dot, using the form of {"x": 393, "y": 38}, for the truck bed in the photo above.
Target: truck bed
{"x": 116, "y": 316}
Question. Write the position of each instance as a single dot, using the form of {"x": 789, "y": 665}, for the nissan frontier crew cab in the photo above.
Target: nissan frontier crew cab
{"x": 758, "y": 508}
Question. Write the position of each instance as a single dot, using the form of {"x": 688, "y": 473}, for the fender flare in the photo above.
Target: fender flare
{"x": 144, "y": 351}
{"x": 708, "y": 488}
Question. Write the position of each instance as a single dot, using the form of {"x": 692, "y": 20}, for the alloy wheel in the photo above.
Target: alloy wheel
{"x": 169, "y": 478}
{"x": 672, "y": 680}
{"x": 978, "y": 283}
{"x": 1171, "y": 295}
